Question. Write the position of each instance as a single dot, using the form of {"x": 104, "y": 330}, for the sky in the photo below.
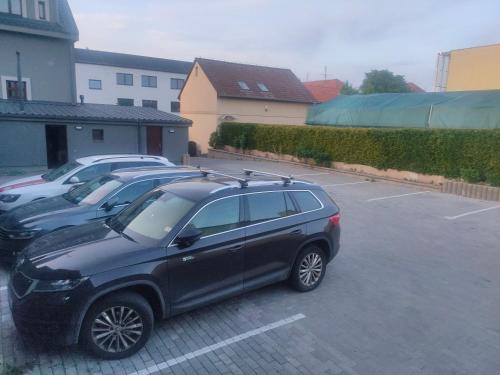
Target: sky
{"x": 348, "y": 37}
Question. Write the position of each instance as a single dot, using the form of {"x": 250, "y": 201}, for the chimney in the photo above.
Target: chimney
{"x": 82, "y": 99}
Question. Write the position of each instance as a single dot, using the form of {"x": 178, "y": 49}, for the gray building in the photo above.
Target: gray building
{"x": 41, "y": 121}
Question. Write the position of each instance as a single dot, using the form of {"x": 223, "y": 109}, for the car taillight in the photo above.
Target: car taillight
{"x": 335, "y": 219}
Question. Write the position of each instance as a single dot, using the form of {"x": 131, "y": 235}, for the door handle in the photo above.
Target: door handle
{"x": 296, "y": 231}
{"x": 235, "y": 248}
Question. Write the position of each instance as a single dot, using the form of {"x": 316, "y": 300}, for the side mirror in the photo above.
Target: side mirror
{"x": 109, "y": 205}
{"x": 188, "y": 237}
{"x": 74, "y": 180}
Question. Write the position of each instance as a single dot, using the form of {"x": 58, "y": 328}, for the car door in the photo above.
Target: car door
{"x": 212, "y": 267}
{"x": 273, "y": 235}
{"x": 124, "y": 197}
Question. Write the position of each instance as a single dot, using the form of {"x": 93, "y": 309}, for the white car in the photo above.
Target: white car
{"x": 60, "y": 180}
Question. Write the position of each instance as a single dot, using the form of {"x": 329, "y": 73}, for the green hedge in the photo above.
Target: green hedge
{"x": 471, "y": 154}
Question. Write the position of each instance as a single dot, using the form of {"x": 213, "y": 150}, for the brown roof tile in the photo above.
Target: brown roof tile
{"x": 282, "y": 84}
{"x": 324, "y": 90}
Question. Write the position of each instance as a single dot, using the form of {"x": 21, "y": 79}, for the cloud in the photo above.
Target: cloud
{"x": 351, "y": 37}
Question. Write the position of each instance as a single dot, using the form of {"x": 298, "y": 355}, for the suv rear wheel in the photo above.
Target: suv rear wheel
{"x": 118, "y": 325}
{"x": 309, "y": 269}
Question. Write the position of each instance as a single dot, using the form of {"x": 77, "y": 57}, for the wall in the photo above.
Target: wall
{"x": 474, "y": 69}
{"x": 199, "y": 104}
{"x": 46, "y": 62}
{"x": 117, "y": 140}
{"x": 111, "y": 91}
{"x": 175, "y": 144}
{"x": 26, "y": 144}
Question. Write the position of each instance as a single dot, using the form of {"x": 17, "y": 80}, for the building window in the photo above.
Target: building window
{"x": 95, "y": 84}
{"x": 98, "y": 135}
{"x": 149, "y": 81}
{"x": 42, "y": 10}
{"x": 126, "y": 102}
{"x": 243, "y": 85}
{"x": 125, "y": 79}
{"x": 150, "y": 104}
{"x": 11, "y": 6}
{"x": 176, "y": 83}
{"x": 12, "y": 92}
{"x": 262, "y": 87}
{"x": 175, "y": 107}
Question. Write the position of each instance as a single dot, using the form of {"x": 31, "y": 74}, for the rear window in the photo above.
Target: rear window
{"x": 266, "y": 206}
{"x": 306, "y": 200}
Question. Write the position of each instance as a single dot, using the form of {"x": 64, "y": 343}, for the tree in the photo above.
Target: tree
{"x": 378, "y": 81}
{"x": 347, "y": 89}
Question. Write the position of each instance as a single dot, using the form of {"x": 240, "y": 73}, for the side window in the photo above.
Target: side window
{"x": 306, "y": 200}
{"x": 291, "y": 209}
{"x": 134, "y": 191}
{"x": 93, "y": 171}
{"x": 266, "y": 206}
{"x": 135, "y": 164}
{"x": 219, "y": 216}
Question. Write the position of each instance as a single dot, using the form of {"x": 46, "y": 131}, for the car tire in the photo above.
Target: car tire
{"x": 309, "y": 269}
{"x": 117, "y": 321}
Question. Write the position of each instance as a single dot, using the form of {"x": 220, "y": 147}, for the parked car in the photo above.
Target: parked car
{"x": 175, "y": 248}
{"x": 97, "y": 199}
{"x": 58, "y": 181}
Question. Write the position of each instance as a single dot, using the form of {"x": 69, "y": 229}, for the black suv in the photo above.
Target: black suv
{"x": 97, "y": 199}
{"x": 175, "y": 248}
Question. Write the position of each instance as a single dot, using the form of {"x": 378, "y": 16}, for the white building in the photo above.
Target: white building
{"x": 117, "y": 78}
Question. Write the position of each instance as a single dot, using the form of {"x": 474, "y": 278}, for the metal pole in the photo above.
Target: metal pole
{"x": 20, "y": 91}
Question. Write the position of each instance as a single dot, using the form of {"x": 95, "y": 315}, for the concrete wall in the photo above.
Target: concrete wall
{"x": 110, "y": 91}
{"x": 474, "y": 69}
{"x": 22, "y": 144}
{"x": 199, "y": 104}
{"x": 45, "y": 63}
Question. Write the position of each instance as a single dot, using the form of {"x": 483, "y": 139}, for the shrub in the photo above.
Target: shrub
{"x": 471, "y": 154}
{"x": 215, "y": 140}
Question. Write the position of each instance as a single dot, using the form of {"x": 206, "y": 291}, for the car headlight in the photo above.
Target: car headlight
{"x": 9, "y": 198}
{"x": 24, "y": 235}
{"x": 57, "y": 285}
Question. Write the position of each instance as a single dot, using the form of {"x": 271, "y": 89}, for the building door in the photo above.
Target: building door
{"x": 154, "y": 137}
{"x": 57, "y": 145}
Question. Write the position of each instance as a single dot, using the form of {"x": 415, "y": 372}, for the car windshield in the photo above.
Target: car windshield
{"x": 152, "y": 216}
{"x": 93, "y": 191}
{"x": 54, "y": 174}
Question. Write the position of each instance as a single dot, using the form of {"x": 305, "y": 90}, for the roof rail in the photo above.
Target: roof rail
{"x": 286, "y": 179}
{"x": 243, "y": 182}
{"x": 127, "y": 156}
{"x": 154, "y": 168}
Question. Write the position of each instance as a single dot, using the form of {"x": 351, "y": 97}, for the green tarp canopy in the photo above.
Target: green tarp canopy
{"x": 459, "y": 110}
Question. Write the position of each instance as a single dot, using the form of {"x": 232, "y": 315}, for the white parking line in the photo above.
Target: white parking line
{"x": 471, "y": 213}
{"x": 347, "y": 183}
{"x": 397, "y": 196}
{"x": 207, "y": 349}
{"x": 310, "y": 174}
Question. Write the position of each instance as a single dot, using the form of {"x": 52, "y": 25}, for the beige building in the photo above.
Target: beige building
{"x": 217, "y": 91}
{"x": 475, "y": 68}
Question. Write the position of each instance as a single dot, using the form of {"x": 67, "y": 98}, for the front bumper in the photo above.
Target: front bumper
{"x": 46, "y": 317}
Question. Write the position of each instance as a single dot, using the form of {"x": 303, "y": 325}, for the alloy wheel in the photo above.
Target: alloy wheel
{"x": 310, "y": 269}
{"x": 117, "y": 329}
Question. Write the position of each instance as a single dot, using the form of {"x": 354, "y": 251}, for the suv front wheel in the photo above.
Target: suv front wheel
{"x": 309, "y": 269}
{"x": 117, "y": 326}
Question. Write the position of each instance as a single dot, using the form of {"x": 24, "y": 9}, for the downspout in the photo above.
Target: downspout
{"x": 430, "y": 116}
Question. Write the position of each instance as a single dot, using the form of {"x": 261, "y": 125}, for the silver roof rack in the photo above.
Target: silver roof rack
{"x": 243, "y": 181}
{"x": 286, "y": 179}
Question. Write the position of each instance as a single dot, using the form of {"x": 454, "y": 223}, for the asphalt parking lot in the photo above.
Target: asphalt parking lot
{"x": 414, "y": 289}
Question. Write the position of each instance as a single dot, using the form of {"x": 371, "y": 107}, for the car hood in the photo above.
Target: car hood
{"x": 37, "y": 213}
{"x": 80, "y": 251}
{"x": 17, "y": 186}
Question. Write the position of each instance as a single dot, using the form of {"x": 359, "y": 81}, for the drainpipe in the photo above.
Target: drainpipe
{"x": 20, "y": 93}
{"x": 430, "y": 116}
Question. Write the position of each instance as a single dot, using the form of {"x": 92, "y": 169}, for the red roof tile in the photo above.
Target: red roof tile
{"x": 414, "y": 88}
{"x": 283, "y": 85}
{"x": 324, "y": 90}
